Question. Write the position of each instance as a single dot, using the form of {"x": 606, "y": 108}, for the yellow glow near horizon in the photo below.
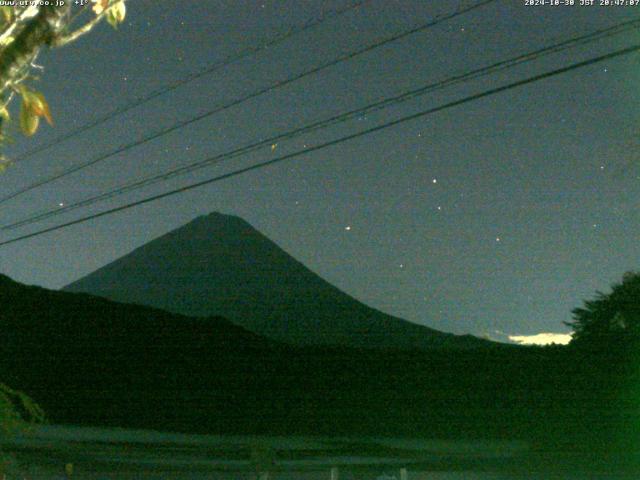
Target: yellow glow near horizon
{"x": 541, "y": 339}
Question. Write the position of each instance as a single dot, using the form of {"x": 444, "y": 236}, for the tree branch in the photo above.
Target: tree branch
{"x": 41, "y": 30}
{"x": 73, "y": 36}
{"x": 86, "y": 28}
{"x": 28, "y": 12}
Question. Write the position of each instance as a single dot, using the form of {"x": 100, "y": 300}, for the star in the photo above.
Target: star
{"x": 435, "y": 180}
{"x": 439, "y": 208}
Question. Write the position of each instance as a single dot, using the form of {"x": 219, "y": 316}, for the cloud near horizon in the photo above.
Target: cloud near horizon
{"x": 544, "y": 338}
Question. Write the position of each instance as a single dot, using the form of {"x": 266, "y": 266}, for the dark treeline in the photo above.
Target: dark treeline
{"x": 89, "y": 361}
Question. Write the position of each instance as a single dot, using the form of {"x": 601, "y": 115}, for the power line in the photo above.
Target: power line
{"x": 477, "y": 96}
{"x": 225, "y": 62}
{"x": 244, "y": 98}
{"x": 384, "y": 103}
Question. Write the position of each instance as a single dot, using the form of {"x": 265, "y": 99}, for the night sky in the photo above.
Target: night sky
{"x": 496, "y": 217}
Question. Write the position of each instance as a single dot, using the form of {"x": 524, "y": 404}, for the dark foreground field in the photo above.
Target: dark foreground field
{"x": 95, "y": 363}
{"x": 128, "y": 454}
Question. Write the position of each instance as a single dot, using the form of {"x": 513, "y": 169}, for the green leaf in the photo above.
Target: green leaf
{"x": 7, "y": 13}
{"x": 33, "y": 107}
{"x": 41, "y": 107}
{"x": 4, "y": 114}
{"x": 29, "y": 121}
{"x": 116, "y": 14}
{"x": 99, "y": 6}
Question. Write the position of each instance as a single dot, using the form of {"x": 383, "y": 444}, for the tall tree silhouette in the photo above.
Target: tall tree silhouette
{"x": 610, "y": 320}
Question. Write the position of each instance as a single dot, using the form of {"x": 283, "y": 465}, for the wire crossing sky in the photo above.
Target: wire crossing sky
{"x": 307, "y": 151}
{"x": 237, "y": 101}
{"x": 496, "y": 217}
{"x": 244, "y": 53}
{"x": 510, "y": 63}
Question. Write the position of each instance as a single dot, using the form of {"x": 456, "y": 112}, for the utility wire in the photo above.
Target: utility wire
{"x": 242, "y": 99}
{"x": 480, "y": 72}
{"x": 225, "y": 62}
{"x": 258, "y": 166}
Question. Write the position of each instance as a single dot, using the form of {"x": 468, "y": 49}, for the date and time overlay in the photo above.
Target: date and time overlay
{"x": 581, "y": 3}
{"x": 527, "y": 3}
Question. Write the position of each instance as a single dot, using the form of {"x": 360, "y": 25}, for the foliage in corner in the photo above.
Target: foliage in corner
{"x": 24, "y": 31}
{"x": 17, "y": 414}
{"x": 17, "y": 411}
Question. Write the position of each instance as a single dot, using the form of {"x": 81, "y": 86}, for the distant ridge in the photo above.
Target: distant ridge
{"x": 91, "y": 361}
{"x": 220, "y": 265}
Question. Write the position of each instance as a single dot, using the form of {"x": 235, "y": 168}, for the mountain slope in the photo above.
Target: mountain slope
{"x": 91, "y": 360}
{"x": 221, "y": 265}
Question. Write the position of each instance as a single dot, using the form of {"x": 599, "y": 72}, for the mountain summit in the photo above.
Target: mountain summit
{"x": 220, "y": 265}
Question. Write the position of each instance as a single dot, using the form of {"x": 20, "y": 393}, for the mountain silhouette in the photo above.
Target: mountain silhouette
{"x": 220, "y": 265}
{"x": 92, "y": 361}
